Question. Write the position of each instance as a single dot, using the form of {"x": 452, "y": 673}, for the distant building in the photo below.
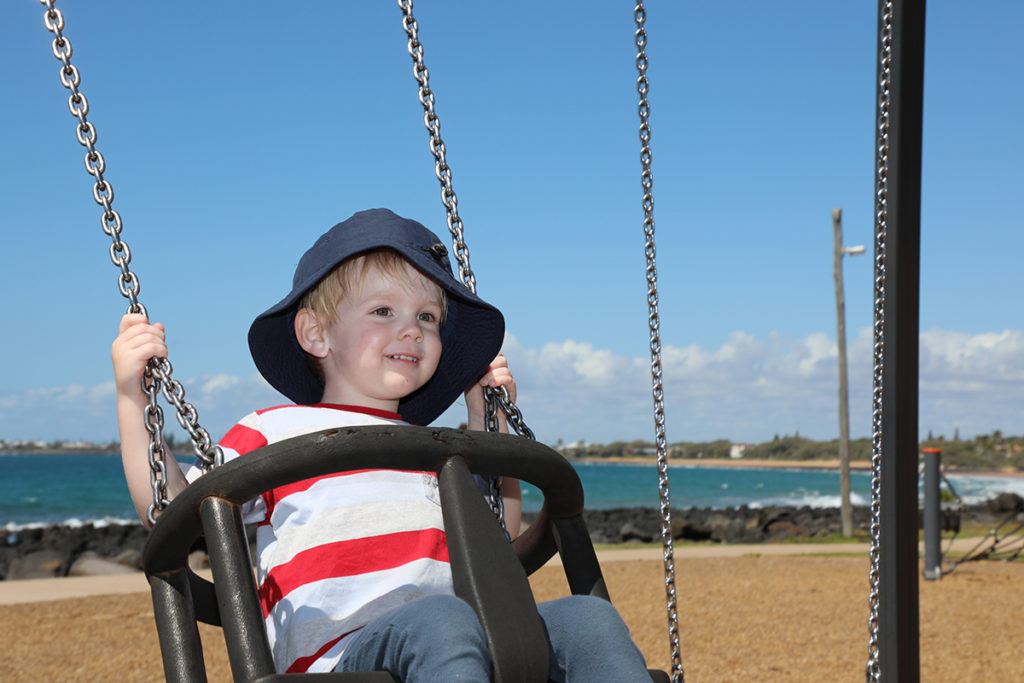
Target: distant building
{"x": 574, "y": 450}
{"x": 737, "y": 450}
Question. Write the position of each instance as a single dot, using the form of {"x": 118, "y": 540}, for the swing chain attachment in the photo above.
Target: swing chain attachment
{"x": 157, "y": 375}
{"x": 647, "y": 182}
{"x": 156, "y": 379}
{"x": 451, "y": 204}
{"x": 873, "y": 669}
{"x": 157, "y": 451}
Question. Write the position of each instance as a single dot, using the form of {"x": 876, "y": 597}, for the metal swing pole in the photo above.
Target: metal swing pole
{"x": 895, "y": 648}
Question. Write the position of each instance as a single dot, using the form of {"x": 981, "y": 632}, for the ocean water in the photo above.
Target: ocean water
{"x": 46, "y": 489}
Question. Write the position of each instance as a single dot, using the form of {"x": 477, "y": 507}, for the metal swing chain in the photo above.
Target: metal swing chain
{"x": 654, "y": 320}
{"x": 873, "y": 670}
{"x": 451, "y": 203}
{"x": 493, "y": 399}
{"x": 157, "y": 376}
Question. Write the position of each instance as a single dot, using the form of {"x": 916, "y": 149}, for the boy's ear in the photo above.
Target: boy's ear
{"x": 310, "y": 333}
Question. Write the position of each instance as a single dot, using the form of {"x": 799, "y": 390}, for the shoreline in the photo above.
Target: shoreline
{"x": 736, "y": 463}
{"x": 739, "y": 463}
{"x": 762, "y": 464}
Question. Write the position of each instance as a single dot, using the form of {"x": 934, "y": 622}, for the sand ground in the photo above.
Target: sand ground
{"x": 744, "y": 617}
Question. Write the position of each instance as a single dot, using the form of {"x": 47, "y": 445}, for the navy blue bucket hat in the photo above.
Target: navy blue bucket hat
{"x": 470, "y": 337}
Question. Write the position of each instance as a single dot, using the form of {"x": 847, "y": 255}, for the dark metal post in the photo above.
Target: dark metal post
{"x": 180, "y": 646}
{"x": 241, "y": 615}
{"x": 932, "y": 514}
{"x": 899, "y": 646}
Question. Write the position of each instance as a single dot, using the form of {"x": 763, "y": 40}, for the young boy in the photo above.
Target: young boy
{"x": 353, "y": 570}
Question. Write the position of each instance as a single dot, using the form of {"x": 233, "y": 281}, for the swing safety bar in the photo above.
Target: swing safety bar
{"x": 488, "y": 572}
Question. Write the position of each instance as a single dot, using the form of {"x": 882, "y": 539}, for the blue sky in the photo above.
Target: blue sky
{"x": 235, "y": 133}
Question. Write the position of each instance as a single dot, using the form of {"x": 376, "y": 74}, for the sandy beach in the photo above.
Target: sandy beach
{"x": 767, "y": 613}
{"x": 755, "y": 463}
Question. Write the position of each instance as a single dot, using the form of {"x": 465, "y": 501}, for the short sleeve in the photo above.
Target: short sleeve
{"x": 245, "y": 437}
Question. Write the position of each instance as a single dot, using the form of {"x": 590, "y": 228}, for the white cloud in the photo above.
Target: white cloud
{"x": 750, "y": 389}
{"x": 974, "y": 383}
{"x": 76, "y": 412}
{"x": 746, "y": 390}
{"x": 218, "y": 384}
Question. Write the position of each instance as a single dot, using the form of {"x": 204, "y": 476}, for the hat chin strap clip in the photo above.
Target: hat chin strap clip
{"x": 438, "y": 251}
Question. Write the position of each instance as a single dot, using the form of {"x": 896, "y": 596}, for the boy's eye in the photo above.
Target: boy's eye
{"x": 383, "y": 311}
{"x": 427, "y": 317}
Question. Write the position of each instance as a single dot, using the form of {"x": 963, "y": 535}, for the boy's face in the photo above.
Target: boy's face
{"x": 386, "y": 342}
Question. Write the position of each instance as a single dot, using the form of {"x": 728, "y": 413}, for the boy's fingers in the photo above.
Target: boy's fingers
{"x": 141, "y": 341}
{"x": 137, "y": 332}
{"x": 130, "y": 320}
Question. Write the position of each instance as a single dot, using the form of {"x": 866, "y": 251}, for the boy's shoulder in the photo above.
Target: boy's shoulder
{"x": 284, "y": 421}
{"x": 331, "y": 411}
{"x": 277, "y": 423}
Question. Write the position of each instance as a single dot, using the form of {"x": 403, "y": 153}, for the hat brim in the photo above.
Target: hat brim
{"x": 471, "y": 335}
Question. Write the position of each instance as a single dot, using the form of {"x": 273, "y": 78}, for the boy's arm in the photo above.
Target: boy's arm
{"x": 497, "y": 375}
{"x": 138, "y": 341}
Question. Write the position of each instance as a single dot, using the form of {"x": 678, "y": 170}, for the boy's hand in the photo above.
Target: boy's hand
{"x": 496, "y": 375}
{"x": 137, "y": 341}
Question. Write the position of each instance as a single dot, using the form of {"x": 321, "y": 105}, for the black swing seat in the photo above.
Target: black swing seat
{"x": 488, "y": 572}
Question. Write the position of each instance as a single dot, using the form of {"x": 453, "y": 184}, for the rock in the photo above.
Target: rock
{"x": 724, "y": 528}
{"x": 1005, "y": 503}
{"x": 91, "y": 564}
{"x": 130, "y": 557}
{"x": 683, "y": 529}
{"x": 780, "y": 529}
{"x": 629, "y": 532}
{"x": 41, "y": 564}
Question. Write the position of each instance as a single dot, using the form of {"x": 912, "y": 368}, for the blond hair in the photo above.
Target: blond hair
{"x": 323, "y": 298}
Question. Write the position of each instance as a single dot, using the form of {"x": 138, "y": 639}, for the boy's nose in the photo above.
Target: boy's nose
{"x": 411, "y": 329}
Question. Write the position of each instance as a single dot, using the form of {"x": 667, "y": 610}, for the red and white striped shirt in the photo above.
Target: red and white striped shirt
{"x": 336, "y": 552}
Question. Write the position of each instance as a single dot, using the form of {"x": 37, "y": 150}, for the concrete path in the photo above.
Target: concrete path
{"x": 41, "y": 590}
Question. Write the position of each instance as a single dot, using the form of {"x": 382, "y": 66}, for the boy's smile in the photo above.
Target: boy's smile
{"x": 386, "y": 342}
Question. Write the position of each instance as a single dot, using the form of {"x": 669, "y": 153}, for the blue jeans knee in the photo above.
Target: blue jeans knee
{"x": 590, "y": 641}
{"x": 434, "y": 638}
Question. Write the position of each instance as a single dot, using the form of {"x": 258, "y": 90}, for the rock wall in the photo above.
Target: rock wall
{"x": 79, "y": 550}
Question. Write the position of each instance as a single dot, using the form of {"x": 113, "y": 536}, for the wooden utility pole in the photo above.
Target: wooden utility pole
{"x": 846, "y": 511}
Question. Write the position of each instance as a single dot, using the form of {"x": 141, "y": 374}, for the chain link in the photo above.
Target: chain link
{"x": 873, "y": 670}
{"x": 647, "y": 182}
{"x": 157, "y": 375}
{"x": 451, "y": 204}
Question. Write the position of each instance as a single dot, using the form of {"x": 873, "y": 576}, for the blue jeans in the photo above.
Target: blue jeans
{"x": 439, "y": 638}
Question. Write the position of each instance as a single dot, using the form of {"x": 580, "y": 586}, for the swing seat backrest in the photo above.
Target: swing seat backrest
{"x": 488, "y": 572}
